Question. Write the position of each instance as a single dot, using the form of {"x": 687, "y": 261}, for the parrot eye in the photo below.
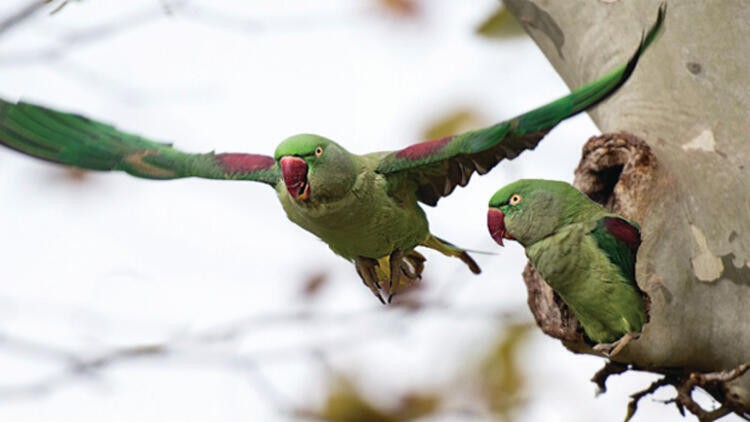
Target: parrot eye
{"x": 515, "y": 199}
{"x": 318, "y": 151}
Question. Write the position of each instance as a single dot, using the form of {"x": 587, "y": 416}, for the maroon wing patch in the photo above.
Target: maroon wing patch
{"x": 624, "y": 232}
{"x": 423, "y": 149}
{"x": 245, "y": 163}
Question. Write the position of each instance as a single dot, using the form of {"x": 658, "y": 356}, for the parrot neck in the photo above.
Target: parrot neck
{"x": 558, "y": 215}
{"x": 333, "y": 179}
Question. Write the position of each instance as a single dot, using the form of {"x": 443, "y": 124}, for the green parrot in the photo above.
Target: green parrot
{"x": 584, "y": 252}
{"x": 365, "y": 207}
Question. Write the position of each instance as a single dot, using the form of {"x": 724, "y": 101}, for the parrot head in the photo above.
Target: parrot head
{"x": 315, "y": 169}
{"x": 529, "y": 210}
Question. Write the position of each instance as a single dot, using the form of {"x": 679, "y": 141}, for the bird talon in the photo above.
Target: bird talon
{"x": 366, "y": 270}
{"x": 395, "y": 263}
{"x": 408, "y": 273}
{"x": 611, "y": 349}
{"x": 416, "y": 260}
{"x": 380, "y": 297}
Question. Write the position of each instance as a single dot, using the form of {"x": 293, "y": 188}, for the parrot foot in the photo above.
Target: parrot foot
{"x": 611, "y": 349}
{"x": 416, "y": 261}
{"x": 366, "y": 270}
{"x": 402, "y": 270}
{"x": 404, "y": 267}
{"x": 396, "y": 265}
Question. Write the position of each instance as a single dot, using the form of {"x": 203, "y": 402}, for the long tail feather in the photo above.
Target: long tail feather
{"x": 449, "y": 249}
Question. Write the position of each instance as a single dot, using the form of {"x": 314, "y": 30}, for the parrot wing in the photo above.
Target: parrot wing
{"x": 619, "y": 240}
{"x": 439, "y": 165}
{"x": 78, "y": 141}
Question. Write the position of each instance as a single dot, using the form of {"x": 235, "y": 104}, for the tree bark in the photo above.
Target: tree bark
{"x": 689, "y": 101}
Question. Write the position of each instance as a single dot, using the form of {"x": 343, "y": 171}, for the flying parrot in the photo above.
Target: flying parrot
{"x": 365, "y": 207}
{"x": 584, "y": 252}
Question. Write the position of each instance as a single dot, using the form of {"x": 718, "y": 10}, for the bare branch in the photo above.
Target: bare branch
{"x": 201, "y": 348}
{"x": 96, "y": 33}
{"x": 21, "y": 15}
{"x": 635, "y": 398}
{"x": 713, "y": 383}
{"x": 60, "y": 7}
{"x": 601, "y": 376}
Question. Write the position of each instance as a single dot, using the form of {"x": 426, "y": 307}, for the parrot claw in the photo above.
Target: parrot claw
{"x": 416, "y": 260}
{"x": 408, "y": 273}
{"x": 611, "y": 349}
{"x": 403, "y": 269}
{"x": 376, "y": 292}
{"x": 366, "y": 270}
{"x": 395, "y": 262}
{"x": 380, "y": 297}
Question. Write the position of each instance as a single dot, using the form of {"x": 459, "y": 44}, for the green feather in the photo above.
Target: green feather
{"x": 438, "y": 166}
{"x": 618, "y": 252}
{"x": 78, "y": 141}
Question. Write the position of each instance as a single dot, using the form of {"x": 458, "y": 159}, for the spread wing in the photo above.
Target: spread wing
{"x": 438, "y": 166}
{"x": 75, "y": 140}
{"x": 619, "y": 240}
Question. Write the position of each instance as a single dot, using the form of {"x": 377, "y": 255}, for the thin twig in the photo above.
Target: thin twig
{"x": 93, "y": 34}
{"x": 21, "y": 15}
{"x": 713, "y": 383}
{"x": 601, "y": 376}
{"x": 635, "y": 398}
{"x": 685, "y": 400}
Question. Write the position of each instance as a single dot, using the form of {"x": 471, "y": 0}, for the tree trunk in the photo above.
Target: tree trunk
{"x": 689, "y": 101}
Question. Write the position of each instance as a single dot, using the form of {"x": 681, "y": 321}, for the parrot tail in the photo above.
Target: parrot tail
{"x": 448, "y": 249}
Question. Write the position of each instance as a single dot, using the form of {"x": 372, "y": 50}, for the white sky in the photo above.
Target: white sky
{"x": 117, "y": 261}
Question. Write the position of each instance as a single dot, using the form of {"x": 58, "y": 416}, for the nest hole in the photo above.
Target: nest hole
{"x": 615, "y": 170}
{"x": 607, "y": 180}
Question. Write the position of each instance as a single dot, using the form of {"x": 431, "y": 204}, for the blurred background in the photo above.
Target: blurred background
{"x": 123, "y": 299}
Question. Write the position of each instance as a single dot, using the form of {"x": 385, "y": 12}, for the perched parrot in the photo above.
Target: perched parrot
{"x": 365, "y": 207}
{"x": 584, "y": 252}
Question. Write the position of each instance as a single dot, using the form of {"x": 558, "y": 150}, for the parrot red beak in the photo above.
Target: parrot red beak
{"x": 294, "y": 171}
{"x": 496, "y": 225}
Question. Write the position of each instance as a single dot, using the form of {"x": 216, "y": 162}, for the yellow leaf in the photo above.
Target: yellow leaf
{"x": 502, "y": 380}
{"x": 500, "y": 24}
{"x": 346, "y": 404}
{"x": 455, "y": 122}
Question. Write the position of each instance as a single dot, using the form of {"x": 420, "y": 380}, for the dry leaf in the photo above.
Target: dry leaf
{"x": 314, "y": 284}
{"x": 345, "y": 404}
{"x": 502, "y": 381}
{"x": 454, "y": 122}
{"x": 500, "y": 24}
{"x": 400, "y": 7}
